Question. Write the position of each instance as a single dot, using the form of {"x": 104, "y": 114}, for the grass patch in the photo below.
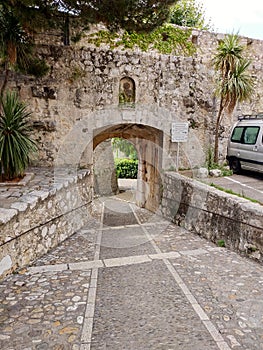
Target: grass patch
{"x": 234, "y": 193}
{"x": 221, "y": 243}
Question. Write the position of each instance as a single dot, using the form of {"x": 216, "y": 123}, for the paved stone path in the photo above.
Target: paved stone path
{"x": 133, "y": 281}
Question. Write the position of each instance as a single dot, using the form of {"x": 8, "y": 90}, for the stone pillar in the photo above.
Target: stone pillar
{"x": 105, "y": 179}
{"x": 149, "y": 179}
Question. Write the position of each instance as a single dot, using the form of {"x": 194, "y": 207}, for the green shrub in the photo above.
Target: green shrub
{"x": 126, "y": 168}
{"x": 37, "y": 68}
{"x": 34, "y": 66}
{"x": 210, "y": 164}
{"x": 16, "y": 145}
{"x": 221, "y": 243}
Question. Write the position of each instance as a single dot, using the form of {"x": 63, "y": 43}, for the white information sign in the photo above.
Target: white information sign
{"x": 180, "y": 132}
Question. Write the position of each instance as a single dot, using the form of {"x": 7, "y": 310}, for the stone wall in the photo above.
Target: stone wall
{"x": 214, "y": 214}
{"x": 84, "y": 80}
{"x": 32, "y": 228}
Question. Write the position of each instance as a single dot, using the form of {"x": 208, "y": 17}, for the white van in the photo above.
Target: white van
{"x": 245, "y": 145}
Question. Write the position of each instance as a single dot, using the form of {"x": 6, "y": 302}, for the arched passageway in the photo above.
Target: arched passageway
{"x": 148, "y": 142}
{"x": 147, "y": 127}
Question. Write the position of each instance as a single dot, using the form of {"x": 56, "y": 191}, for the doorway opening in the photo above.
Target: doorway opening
{"x": 148, "y": 144}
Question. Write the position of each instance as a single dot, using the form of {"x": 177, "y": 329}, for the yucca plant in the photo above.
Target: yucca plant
{"x": 16, "y": 146}
{"x": 234, "y": 83}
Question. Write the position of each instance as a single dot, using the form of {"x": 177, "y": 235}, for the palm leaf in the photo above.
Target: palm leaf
{"x": 16, "y": 146}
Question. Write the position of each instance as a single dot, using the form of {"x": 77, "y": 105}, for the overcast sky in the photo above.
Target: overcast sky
{"x": 232, "y": 16}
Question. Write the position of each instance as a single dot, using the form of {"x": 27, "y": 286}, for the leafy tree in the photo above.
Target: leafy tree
{"x": 125, "y": 147}
{"x": 140, "y": 15}
{"x": 13, "y": 43}
{"x": 189, "y": 13}
{"x": 16, "y": 48}
{"x": 234, "y": 84}
{"x": 16, "y": 146}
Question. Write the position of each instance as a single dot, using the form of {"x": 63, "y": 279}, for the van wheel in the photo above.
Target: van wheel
{"x": 234, "y": 164}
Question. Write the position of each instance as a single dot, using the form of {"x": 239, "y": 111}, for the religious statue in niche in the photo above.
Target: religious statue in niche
{"x": 127, "y": 92}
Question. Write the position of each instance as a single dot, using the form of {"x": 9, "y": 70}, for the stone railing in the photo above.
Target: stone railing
{"x": 40, "y": 220}
{"x": 222, "y": 218}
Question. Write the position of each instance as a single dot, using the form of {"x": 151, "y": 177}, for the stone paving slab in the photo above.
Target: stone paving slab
{"x": 146, "y": 312}
{"x": 127, "y": 241}
{"x": 174, "y": 290}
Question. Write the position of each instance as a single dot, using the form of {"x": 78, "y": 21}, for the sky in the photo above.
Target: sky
{"x": 232, "y": 16}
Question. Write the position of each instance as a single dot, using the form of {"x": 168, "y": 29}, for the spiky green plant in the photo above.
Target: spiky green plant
{"x": 234, "y": 83}
{"x": 16, "y": 146}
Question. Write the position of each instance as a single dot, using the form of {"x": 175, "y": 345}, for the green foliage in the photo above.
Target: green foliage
{"x": 234, "y": 84}
{"x": 189, "y": 13}
{"x": 130, "y": 15}
{"x": 125, "y": 147}
{"x": 167, "y": 39}
{"x": 13, "y": 38}
{"x": 126, "y": 168}
{"x": 234, "y": 193}
{"x": 77, "y": 73}
{"x": 221, "y": 243}
{"x": 16, "y": 146}
{"x": 37, "y": 67}
{"x": 210, "y": 164}
{"x": 139, "y": 15}
{"x": 16, "y": 48}
{"x": 13, "y": 43}
{"x": 77, "y": 37}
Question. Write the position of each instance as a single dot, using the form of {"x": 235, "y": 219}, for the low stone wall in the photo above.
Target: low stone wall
{"x": 31, "y": 228}
{"x": 214, "y": 214}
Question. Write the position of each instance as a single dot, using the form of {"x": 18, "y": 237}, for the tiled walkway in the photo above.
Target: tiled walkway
{"x": 133, "y": 281}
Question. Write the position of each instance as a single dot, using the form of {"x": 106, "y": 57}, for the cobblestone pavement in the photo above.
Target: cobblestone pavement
{"x": 133, "y": 281}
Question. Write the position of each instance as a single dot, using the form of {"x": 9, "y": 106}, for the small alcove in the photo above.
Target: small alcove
{"x": 127, "y": 92}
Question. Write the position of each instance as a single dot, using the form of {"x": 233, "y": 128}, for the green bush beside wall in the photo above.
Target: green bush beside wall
{"x": 126, "y": 168}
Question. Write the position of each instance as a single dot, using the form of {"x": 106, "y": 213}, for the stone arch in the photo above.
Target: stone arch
{"x": 148, "y": 125}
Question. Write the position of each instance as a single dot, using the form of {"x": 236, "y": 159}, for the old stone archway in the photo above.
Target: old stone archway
{"x": 146, "y": 126}
{"x": 148, "y": 142}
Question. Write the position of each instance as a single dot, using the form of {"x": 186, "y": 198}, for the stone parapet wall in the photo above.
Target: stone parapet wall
{"x": 214, "y": 214}
{"x": 42, "y": 220}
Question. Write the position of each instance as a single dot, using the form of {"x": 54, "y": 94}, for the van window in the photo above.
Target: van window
{"x": 251, "y": 134}
{"x": 237, "y": 134}
{"x": 245, "y": 134}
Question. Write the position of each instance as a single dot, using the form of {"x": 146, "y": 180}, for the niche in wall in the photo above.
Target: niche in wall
{"x": 127, "y": 92}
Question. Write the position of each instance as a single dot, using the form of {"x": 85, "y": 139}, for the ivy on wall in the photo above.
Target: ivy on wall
{"x": 167, "y": 39}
